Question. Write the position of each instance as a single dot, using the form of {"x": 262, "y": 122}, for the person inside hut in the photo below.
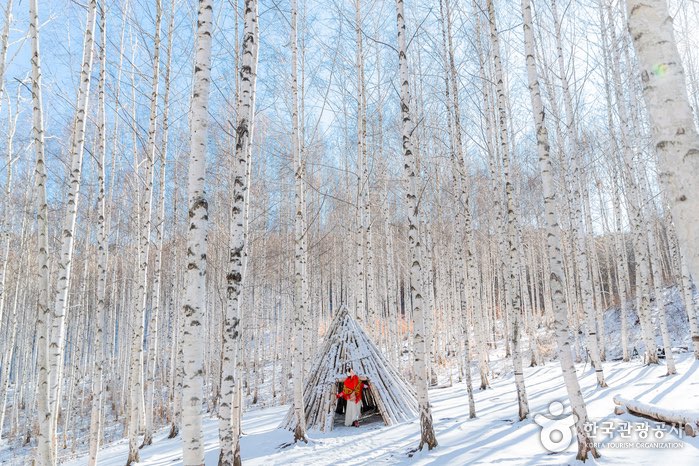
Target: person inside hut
{"x": 352, "y": 393}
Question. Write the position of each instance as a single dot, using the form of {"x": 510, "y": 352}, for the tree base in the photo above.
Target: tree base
{"x": 147, "y": 440}
{"x": 174, "y": 430}
{"x": 236, "y": 458}
{"x": 583, "y": 451}
{"x": 299, "y": 434}
{"x": 133, "y": 458}
{"x": 427, "y": 436}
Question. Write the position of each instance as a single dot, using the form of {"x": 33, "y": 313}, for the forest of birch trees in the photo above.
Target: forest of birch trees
{"x": 192, "y": 188}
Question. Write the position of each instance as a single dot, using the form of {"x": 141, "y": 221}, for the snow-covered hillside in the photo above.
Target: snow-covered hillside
{"x": 677, "y": 322}
{"x": 494, "y": 437}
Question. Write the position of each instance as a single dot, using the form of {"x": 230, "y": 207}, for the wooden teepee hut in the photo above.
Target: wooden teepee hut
{"x": 347, "y": 345}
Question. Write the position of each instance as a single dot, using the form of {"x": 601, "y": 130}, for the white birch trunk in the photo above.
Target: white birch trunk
{"x": 622, "y": 265}
{"x": 660, "y": 301}
{"x": 65, "y": 261}
{"x": 194, "y": 309}
{"x": 152, "y": 336}
{"x": 573, "y": 182}
{"x": 674, "y": 132}
{"x": 483, "y": 350}
{"x": 467, "y": 296}
{"x": 229, "y": 426}
{"x": 362, "y": 252}
{"x": 5, "y": 238}
{"x": 427, "y": 435}
{"x": 45, "y": 452}
{"x": 299, "y": 323}
{"x": 102, "y": 247}
{"x": 512, "y": 292}
{"x": 392, "y": 313}
{"x": 634, "y": 206}
{"x": 553, "y": 245}
{"x": 690, "y": 308}
{"x": 146, "y": 208}
{"x": 7, "y": 222}
{"x": 10, "y": 351}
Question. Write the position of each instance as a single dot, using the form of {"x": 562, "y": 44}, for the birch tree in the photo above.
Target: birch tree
{"x": 467, "y": 296}
{"x": 11, "y": 339}
{"x": 136, "y": 367}
{"x": 362, "y": 306}
{"x": 65, "y": 260}
{"x": 160, "y": 214}
{"x": 45, "y": 453}
{"x": 5, "y": 240}
{"x": 572, "y": 182}
{"x": 553, "y": 244}
{"x": 229, "y": 424}
{"x": 194, "y": 308}
{"x": 299, "y": 322}
{"x": 427, "y": 435}
{"x": 512, "y": 291}
{"x": 687, "y": 296}
{"x": 634, "y": 201}
{"x": 674, "y": 132}
{"x": 99, "y": 360}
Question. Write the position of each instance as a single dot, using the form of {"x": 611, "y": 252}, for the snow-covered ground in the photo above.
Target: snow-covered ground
{"x": 494, "y": 437}
{"x": 677, "y": 323}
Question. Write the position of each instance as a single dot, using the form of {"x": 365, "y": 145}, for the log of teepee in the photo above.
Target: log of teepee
{"x": 690, "y": 421}
{"x": 347, "y": 345}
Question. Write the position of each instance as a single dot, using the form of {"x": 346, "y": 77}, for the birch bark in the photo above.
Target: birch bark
{"x": 299, "y": 323}
{"x": 12, "y": 322}
{"x": 573, "y": 182}
{"x": 674, "y": 133}
{"x": 5, "y": 238}
{"x": 229, "y": 427}
{"x": 146, "y": 208}
{"x": 553, "y": 245}
{"x": 634, "y": 200}
{"x": 194, "y": 309}
{"x": 427, "y": 435}
{"x": 65, "y": 261}
{"x": 45, "y": 453}
{"x": 102, "y": 248}
{"x": 151, "y": 360}
{"x": 512, "y": 292}
{"x": 468, "y": 296}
